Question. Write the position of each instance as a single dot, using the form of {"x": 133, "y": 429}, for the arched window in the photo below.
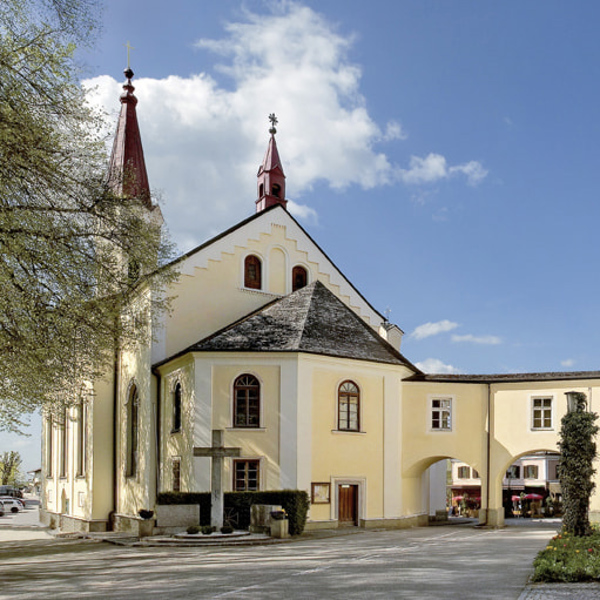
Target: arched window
{"x": 81, "y": 439}
{"x": 177, "y": 408}
{"x": 348, "y": 407}
{"x": 261, "y": 190}
{"x": 276, "y": 190}
{"x": 132, "y": 432}
{"x": 62, "y": 471}
{"x": 252, "y": 272}
{"x": 246, "y": 401}
{"x": 299, "y": 278}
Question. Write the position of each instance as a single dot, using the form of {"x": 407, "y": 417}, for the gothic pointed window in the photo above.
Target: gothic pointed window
{"x": 177, "y": 408}
{"x": 62, "y": 472}
{"x": 276, "y": 190}
{"x": 299, "y": 278}
{"x": 132, "y": 425}
{"x": 252, "y": 272}
{"x": 246, "y": 401}
{"x": 81, "y": 439}
{"x": 348, "y": 407}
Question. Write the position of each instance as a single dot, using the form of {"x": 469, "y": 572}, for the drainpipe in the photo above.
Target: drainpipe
{"x": 488, "y": 451}
{"x": 158, "y": 430}
{"x": 116, "y": 386}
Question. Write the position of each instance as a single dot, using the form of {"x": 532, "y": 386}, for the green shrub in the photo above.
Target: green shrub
{"x": 227, "y": 529}
{"x": 207, "y": 529}
{"x": 575, "y": 468}
{"x": 193, "y": 529}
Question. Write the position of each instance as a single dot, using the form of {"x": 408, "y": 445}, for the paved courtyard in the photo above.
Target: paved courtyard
{"x": 425, "y": 563}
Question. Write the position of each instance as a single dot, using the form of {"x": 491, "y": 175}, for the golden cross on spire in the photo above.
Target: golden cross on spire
{"x": 129, "y": 48}
{"x": 274, "y": 122}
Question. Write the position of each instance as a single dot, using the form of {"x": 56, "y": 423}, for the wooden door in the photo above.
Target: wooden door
{"x": 348, "y": 504}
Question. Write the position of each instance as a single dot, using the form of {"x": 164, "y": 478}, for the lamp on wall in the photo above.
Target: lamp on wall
{"x": 576, "y": 401}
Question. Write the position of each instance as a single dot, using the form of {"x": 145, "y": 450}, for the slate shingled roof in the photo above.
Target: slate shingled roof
{"x": 507, "y": 377}
{"x": 311, "y": 320}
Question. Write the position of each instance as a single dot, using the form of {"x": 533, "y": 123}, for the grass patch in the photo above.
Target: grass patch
{"x": 569, "y": 558}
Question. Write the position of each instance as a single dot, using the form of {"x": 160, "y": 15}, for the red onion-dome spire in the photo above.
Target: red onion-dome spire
{"x": 127, "y": 174}
{"x": 271, "y": 179}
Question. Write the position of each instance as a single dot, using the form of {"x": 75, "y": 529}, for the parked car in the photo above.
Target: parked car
{"x": 12, "y": 504}
{"x": 19, "y": 501}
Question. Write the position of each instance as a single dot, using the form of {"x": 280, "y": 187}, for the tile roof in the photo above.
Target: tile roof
{"x": 507, "y": 377}
{"x": 311, "y": 320}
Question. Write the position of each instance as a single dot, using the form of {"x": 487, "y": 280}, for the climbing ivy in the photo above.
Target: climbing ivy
{"x": 577, "y": 453}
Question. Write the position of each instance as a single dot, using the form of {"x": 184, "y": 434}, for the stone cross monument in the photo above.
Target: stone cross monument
{"x": 217, "y": 452}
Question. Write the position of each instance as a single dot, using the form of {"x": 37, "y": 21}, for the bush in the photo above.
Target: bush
{"x": 576, "y": 469}
{"x": 193, "y": 529}
{"x": 227, "y": 529}
{"x": 207, "y": 529}
{"x": 294, "y": 502}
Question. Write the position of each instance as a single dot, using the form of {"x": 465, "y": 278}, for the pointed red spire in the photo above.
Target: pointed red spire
{"x": 127, "y": 174}
{"x": 271, "y": 180}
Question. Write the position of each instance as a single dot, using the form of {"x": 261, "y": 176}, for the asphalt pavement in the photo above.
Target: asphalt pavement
{"x": 450, "y": 561}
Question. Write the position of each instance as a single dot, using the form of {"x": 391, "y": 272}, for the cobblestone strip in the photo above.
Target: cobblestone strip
{"x": 561, "y": 591}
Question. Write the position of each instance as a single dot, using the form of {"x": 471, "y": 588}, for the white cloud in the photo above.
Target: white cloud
{"x": 569, "y": 362}
{"x": 434, "y": 167}
{"x": 394, "y": 131}
{"x": 303, "y": 212}
{"x": 482, "y": 339}
{"x": 203, "y": 141}
{"x": 429, "y": 329}
{"x": 434, "y": 365}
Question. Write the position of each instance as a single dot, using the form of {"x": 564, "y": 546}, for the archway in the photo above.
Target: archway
{"x": 452, "y": 488}
{"x": 530, "y": 486}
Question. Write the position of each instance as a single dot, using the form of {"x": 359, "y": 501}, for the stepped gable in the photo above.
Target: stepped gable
{"x": 311, "y": 320}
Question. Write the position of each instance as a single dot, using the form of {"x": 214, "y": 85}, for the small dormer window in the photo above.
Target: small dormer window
{"x": 252, "y": 272}
{"x": 276, "y": 190}
{"x": 299, "y": 278}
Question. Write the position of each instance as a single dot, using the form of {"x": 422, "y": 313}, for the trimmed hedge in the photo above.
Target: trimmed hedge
{"x": 294, "y": 502}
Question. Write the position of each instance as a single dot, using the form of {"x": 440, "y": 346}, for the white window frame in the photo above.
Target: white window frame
{"x": 542, "y": 409}
{"x": 432, "y": 408}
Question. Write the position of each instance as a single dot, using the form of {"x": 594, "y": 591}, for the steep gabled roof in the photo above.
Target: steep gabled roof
{"x": 311, "y": 320}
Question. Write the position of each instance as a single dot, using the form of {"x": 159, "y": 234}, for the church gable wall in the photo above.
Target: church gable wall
{"x": 211, "y": 294}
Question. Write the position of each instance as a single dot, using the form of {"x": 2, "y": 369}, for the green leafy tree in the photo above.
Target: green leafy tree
{"x": 575, "y": 468}
{"x": 10, "y": 463}
{"x": 65, "y": 238}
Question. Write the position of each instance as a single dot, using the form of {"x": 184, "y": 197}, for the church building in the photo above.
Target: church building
{"x": 270, "y": 343}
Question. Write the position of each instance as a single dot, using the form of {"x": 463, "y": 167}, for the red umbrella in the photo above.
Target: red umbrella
{"x": 533, "y": 497}
{"x": 515, "y": 498}
{"x": 457, "y": 498}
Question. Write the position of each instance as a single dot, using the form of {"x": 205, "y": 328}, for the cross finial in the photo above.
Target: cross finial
{"x": 274, "y": 122}
{"x": 129, "y": 48}
{"x": 387, "y": 313}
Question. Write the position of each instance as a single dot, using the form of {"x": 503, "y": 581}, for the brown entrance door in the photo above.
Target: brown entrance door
{"x": 348, "y": 504}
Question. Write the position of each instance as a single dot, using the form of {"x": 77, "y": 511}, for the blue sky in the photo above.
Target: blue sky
{"x": 444, "y": 154}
